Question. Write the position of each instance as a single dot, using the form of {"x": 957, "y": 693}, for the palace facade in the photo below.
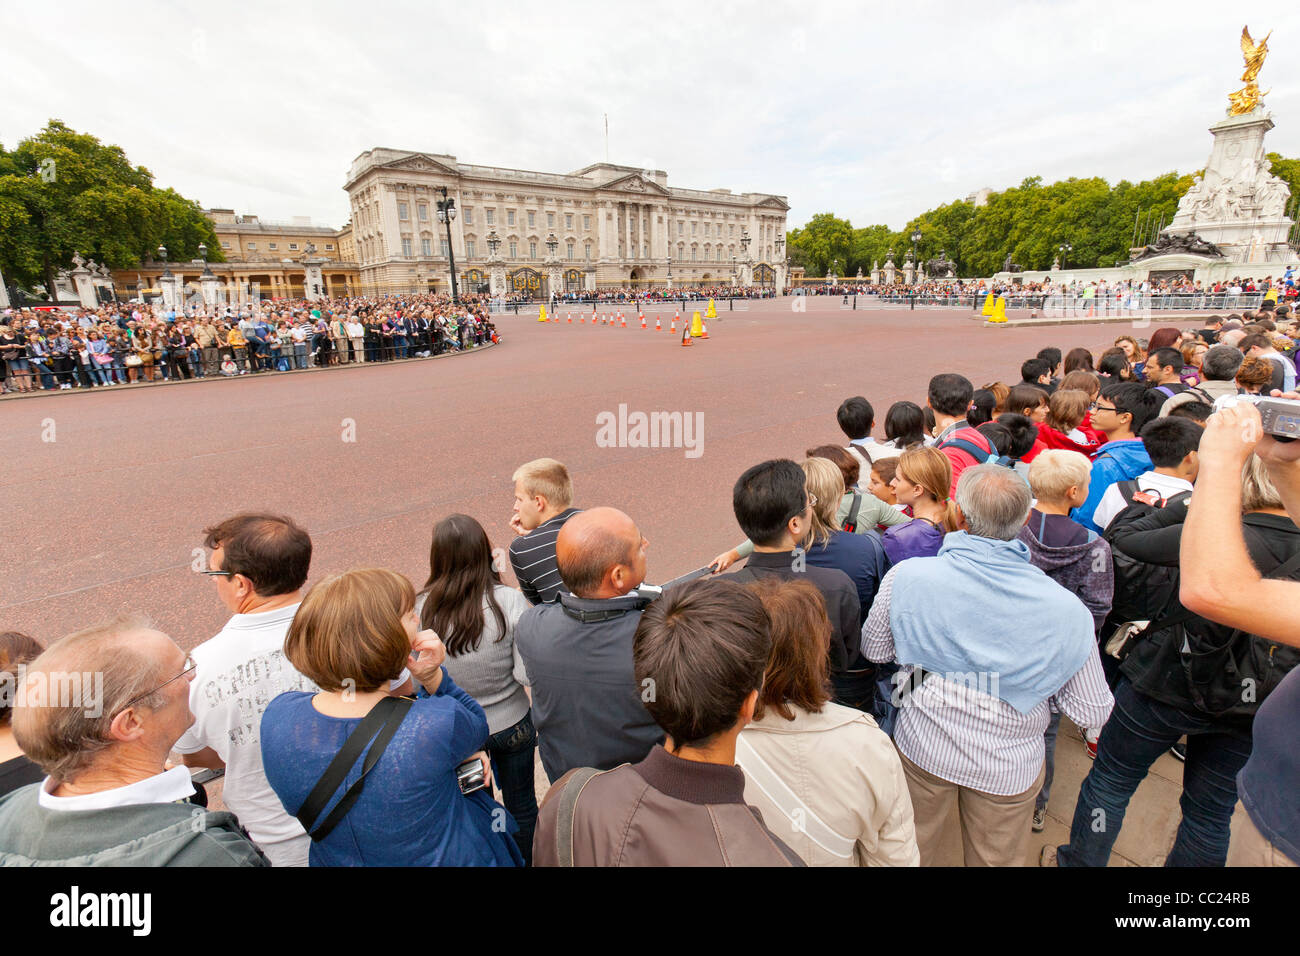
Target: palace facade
{"x": 607, "y": 225}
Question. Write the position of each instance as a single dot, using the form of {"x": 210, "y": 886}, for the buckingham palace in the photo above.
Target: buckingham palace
{"x": 515, "y": 230}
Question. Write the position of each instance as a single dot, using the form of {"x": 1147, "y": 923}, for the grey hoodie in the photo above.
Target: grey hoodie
{"x": 147, "y": 834}
{"x": 1085, "y": 570}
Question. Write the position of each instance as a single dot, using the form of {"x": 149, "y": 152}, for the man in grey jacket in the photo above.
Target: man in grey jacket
{"x": 587, "y": 705}
{"x": 99, "y": 712}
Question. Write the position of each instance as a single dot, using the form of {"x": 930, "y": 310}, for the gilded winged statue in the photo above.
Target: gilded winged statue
{"x": 1247, "y": 98}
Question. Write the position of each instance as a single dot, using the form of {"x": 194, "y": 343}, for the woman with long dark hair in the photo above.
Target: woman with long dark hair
{"x": 467, "y": 606}
{"x": 904, "y": 427}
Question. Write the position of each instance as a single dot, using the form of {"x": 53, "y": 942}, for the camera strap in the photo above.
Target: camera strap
{"x": 379, "y": 725}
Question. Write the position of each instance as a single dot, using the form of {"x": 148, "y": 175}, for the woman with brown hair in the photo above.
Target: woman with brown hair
{"x": 1076, "y": 359}
{"x": 923, "y": 482}
{"x": 826, "y": 779}
{"x": 352, "y": 636}
{"x": 1254, "y": 374}
{"x": 999, "y": 390}
{"x": 1193, "y": 354}
{"x": 464, "y": 601}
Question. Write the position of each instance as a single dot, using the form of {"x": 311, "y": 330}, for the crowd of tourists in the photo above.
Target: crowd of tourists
{"x": 819, "y": 706}
{"x": 1121, "y": 289}
{"x": 125, "y": 344}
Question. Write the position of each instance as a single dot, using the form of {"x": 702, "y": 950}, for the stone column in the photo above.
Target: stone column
{"x": 171, "y": 293}
{"x": 602, "y": 231}
{"x": 82, "y": 284}
{"x": 211, "y": 287}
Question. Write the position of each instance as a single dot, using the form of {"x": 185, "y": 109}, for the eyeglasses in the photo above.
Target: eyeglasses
{"x": 218, "y": 574}
{"x": 190, "y": 667}
{"x": 1097, "y": 407}
{"x": 812, "y": 501}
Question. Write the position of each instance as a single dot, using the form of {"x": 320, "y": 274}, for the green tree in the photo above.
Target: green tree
{"x": 64, "y": 192}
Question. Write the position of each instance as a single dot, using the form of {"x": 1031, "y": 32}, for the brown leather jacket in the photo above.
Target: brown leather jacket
{"x": 663, "y": 811}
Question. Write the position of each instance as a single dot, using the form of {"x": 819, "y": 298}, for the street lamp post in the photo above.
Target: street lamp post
{"x": 162, "y": 254}
{"x": 744, "y": 256}
{"x": 916, "y": 262}
{"x": 670, "y": 272}
{"x": 780, "y": 254}
{"x": 1065, "y": 249}
{"x": 446, "y": 213}
{"x": 203, "y": 254}
{"x": 553, "y": 266}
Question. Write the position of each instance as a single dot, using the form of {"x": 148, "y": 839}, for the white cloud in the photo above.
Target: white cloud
{"x": 874, "y": 113}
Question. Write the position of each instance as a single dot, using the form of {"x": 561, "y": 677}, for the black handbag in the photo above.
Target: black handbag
{"x": 1233, "y": 676}
{"x": 379, "y": 725}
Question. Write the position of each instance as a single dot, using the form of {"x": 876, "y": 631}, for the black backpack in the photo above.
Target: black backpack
{"x": 1232, "y": 675}
{"x": 1143, "y": 592}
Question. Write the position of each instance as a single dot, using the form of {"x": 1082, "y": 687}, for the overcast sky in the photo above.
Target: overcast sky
{"x": 870, "y": 112}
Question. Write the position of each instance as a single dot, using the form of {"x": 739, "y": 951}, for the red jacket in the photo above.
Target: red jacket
{"x": 1054, "y": 439}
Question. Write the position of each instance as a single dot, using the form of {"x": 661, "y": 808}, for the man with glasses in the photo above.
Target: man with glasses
{"x": 1120, "y": 414}
{"x": 259, "y": 564}
{"x": 774, "y": 509}
{"x": 109, "y": 799}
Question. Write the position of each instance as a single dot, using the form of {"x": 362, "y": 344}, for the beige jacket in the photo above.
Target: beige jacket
{"x": 842, "y": 778}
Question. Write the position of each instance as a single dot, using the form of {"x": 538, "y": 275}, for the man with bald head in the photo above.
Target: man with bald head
{"x": 577, "y": 651}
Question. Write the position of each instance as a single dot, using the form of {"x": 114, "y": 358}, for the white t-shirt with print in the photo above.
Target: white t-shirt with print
{"x": 239, "y": 672}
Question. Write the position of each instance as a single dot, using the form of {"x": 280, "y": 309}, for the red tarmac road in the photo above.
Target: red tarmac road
{"x": 107, "y": 517}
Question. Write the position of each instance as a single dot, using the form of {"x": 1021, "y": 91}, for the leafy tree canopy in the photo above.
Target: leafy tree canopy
{"x": 1029, "y": 222}
{"x": 64, "y": 192}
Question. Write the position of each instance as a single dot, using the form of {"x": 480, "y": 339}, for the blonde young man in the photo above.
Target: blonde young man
{"x": 543, "y": 499}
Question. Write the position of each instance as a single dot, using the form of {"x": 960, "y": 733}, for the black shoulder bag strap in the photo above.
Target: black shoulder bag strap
{"x": 379, "y": 725}
{"x": 851, "y": 522}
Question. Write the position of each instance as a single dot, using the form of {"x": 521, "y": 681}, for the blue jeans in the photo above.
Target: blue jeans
{"x": 512, "y": 752}
{"x": 1139, "y": 730}
{"x": 43, "y": 368}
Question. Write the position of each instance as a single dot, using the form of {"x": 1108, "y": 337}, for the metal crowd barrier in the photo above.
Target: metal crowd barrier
{"x": 1058, "y": 304}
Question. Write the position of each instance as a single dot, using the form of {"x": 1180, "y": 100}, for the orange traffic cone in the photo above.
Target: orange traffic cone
{"x": 672, "y": 325}
{"x": 582, "y": 320}
{"x": 704, "y": 330}
{"x": 659, "y": 326}
{"x": 570, "y": 318}
{"x": 642, "y": 320}
{"x": 686, "y": 336}
{"x": 677, "y": 317}
{"x": 622, "y": 320}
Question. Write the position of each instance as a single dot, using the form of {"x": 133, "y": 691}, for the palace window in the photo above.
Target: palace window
{"x": 532, "y": 247}
{"x": 406, "y": 247}
{"x": 680, "y": 227}
{"x": 693, "y": 227}
{"x": 329, "y": 247}
{"x": 586, "y": 251}
{"x": 514, "y": 250}
{"x": 426, "y": 247}
{"x": 692, "y": 253}
{"x": 273, "y": 245}
{"x": 293, "y": 247}
{"x": 422, "y": 210}
{"x": 469, "y": 216}
{"x": 568, "y": 250}
{"x": 469, "y": 248}
{"x": 442, "y": 247}
{"x": 550, "y": 220}
{"x": 586, "y": 225}
{"x": 568, "y": 223}
{"x": 225, "y": 244}
{"x": 532, "y": 219}
{"x": 491, "y": 215}
{"x": 510, "y": 217}
{"x": 403, "y": 211}
{"x": 252, "y": 246}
